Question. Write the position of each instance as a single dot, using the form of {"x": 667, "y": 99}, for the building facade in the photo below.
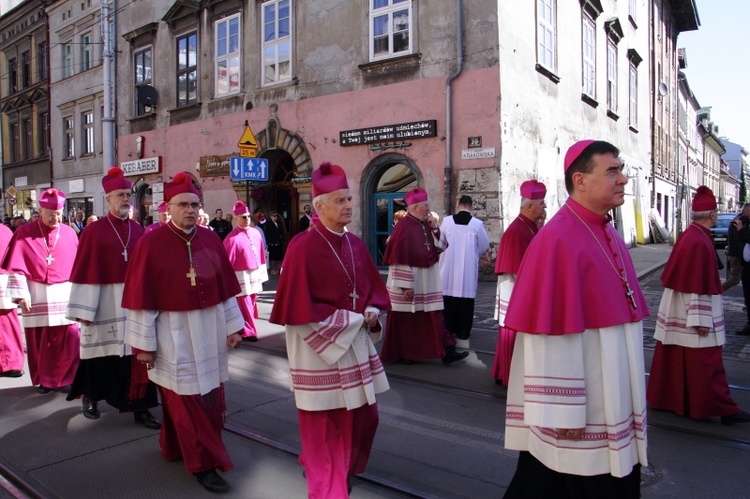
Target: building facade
{"x": 584, "y": 75}
{"x": 77, "y": 103}
{"x": 668, "y": 19}
{"x": 362, "y": 85}
{"x": 24, "y": 107}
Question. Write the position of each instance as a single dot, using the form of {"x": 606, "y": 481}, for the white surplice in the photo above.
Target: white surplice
{"x": 191, "y": 347}
{"x": 591, "y": 379}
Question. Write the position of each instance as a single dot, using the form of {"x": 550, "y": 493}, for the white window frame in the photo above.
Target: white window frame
{"x": 633, "y": 98}
{"x": 69, "y": 140}
{"x": 385, "y": 10}
{"x": 611, "y": 76}
{"x": 87, "y": 133}
{"x": 546, "y": 33}
{"x": 588, "y": 56}
{"x": 67, "y": 60}
{"x": 632, "y": 9}
{"x": 276, "y": 51}
{"x": 145, "y": 79}
{"x": 87, "y": 51}
{"x": 230, "y": 62}
{"x": 187, "y": 70}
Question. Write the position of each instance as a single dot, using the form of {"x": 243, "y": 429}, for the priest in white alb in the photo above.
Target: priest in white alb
{"x": 329, "y": 297}
{"x": 459, "y": 266}
{"x": 39, "y": 260}
{"x": 576, "y": 404}
{"x": 182, "y": 318}
{"x": 108, "y": 370}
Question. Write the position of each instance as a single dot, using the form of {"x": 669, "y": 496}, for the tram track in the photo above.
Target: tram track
{"x": 18, "y": 485}
{"x": 743, "y": 441}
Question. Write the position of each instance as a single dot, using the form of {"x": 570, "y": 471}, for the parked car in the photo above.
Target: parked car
{"x": 721, "y": 231}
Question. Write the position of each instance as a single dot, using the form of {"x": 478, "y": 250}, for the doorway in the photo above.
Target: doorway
{"x": 386, "y": 181}
{"x": 384, "y": 205}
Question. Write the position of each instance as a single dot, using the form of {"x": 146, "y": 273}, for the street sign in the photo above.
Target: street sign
{"x": 11, "y": 191}
{"x": 12, "y": 201}
{"x": 248, "y": 144}
{"x": 248, "y": 168}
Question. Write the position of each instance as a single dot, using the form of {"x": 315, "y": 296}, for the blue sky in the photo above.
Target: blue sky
{"x": 718, "y": 70}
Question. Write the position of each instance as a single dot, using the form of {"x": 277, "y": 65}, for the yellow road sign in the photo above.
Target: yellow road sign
{"x": 247, "y": 141}
{"x": 248, "y": 152}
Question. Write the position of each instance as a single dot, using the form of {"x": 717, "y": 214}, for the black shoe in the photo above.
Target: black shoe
{"x": 744, "y": 331}
{"x": 43, "y": 389}
{"x": 251, "y": 339}
{"x": 454, "y": 356}
{"x": 13, "y": 373}
{"x": 90, "y": 409}
{"x": 147, "y": 419}
{"x": 211, "y": 481}
{"x": 740, "y": 417}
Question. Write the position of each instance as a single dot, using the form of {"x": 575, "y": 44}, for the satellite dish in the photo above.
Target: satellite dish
{"x": 148, "y": 96}
{"x": 663, "y": 89}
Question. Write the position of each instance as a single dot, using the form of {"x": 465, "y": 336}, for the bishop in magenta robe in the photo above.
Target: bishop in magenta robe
{"x": 329, "y": 296}
{"x": 576, "y": 404}
{"x": 182, "y": 318}
{"x": 39, "y": 259}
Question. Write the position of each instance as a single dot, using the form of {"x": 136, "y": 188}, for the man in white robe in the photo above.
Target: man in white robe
{"x": 467, "y": 241}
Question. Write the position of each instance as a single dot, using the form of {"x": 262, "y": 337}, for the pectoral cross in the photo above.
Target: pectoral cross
{"x": 50, "y": 259}
{"x": 629, "y": 293}
{"x": 191, "y": 275}
{"x": 354, "y": 297}
{"x": 125, "y": 254}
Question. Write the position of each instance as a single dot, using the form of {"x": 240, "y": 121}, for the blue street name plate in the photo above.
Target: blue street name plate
{"x": 248, "y": 168}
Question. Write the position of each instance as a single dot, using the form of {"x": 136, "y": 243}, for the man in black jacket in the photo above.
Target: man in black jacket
{"x": 219, "y": 225}
{"x": 735, "y": 245}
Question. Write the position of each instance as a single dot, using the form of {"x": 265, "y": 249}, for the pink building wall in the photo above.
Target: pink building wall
{"x": 318, "y": 122}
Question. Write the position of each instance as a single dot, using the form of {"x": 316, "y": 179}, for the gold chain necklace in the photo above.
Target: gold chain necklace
{"x": 426, "y": 239}
{"x": 125, "y": 244}
{"x": 49, "y": 248}
{"x": 624, "y": 276}
{"x": 353, "y": 295}
{"x": 190, "y": 275}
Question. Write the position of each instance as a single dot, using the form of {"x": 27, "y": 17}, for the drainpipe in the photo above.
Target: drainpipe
{"x": 448, "y": 172}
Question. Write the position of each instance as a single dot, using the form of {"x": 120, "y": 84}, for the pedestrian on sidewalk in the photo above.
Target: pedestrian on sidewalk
{"x": 182, "y": 318}
{"x": 329, "y": 297}
{"x": 40, "y": 258}
{"x": 576, "y": 402}
{"x": 687, "y": 371}
{"x": 513, "y": 244}
{"x": 459, "y": 267}
{"x": 108, "y": 370}
{"x": 415, "y": 328}
{"x": 738, "y": 230}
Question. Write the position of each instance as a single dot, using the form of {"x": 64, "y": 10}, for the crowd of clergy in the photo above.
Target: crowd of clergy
{"x": 134, "y": 317}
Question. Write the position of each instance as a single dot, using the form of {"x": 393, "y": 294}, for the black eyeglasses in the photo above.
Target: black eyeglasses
{"x": 244, "y": 217}
{"x": 183, "y": 205}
